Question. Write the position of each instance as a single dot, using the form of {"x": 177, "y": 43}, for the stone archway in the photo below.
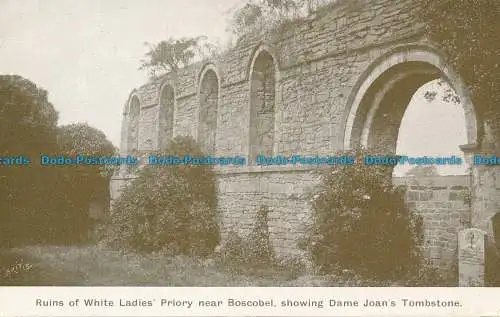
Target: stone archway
{"x": 376, "y": 108}
{"x": 209, "y": 90}
{"x": 263, "y": 79}
{"x": 378, "y": 101}
{"x": 166, "y": 115}
{"x": 133, "y": 128}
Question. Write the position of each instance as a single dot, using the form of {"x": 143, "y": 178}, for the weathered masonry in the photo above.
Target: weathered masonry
{"x": 328, "y": 83}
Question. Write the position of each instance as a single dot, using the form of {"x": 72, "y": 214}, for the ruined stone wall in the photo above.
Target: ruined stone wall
{"x": 319, "y": 64}
{"x": 444, "y": 204}
{"x": 284, "y": 192}
{"x": 441, "y": 201}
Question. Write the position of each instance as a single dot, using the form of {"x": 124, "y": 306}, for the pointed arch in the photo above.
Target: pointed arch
{"x": 134, "y": 112}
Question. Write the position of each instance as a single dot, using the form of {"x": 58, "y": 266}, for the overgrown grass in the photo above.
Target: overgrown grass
{"x": 98, "y": 266}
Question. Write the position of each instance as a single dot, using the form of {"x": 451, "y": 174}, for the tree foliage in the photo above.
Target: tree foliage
{"x": 443, "y": 91}
{"x": 84, "y": 139}
{"x": 262, "y": 15}
{"x": 469, "y": 33}
{"x": 256, "y": 16}
{"x": 27, "y": 119}
{"x": 423, "y": 171}
{"x": 169, "y": 56}
{"x": 79, "y": 185}
{"x": 259, "y": 247}
{"x": 27, "y": 127}
{"x": 44, "y": 204}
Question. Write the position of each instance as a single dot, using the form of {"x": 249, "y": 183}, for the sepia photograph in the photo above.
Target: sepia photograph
{"x": 249, "y": 143}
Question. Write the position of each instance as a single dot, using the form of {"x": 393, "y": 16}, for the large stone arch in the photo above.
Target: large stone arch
{"x": 379, "y": 99}
{"x": 374, "y": 113}
{"x": 209, "y": 97}
{"x": 166, "y": 114}
{"x": 263, "y": 76}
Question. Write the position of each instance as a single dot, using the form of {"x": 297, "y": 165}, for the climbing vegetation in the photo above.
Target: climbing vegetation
{"x": 468, "y": 31}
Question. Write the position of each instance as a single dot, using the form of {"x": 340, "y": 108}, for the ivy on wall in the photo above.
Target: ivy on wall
{"x": 469, "y": 33}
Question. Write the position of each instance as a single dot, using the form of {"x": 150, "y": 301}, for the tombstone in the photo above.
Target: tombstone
{"x": 471, "y": 256}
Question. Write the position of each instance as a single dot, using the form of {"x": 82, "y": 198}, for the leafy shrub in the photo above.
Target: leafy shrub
{"x": 260, "y": 251}
{"x": 468, "y": 33}
{"x": 428, "y": 275}
{"x": 253, "y": 255}
{"x": 294, "y": 266}
{"x": 492, "y": 264}
{"x": 168, "y": 207}
{"x": 254, "y": 251}
{"x": 232, "y": 253}
{"x": 361, "y": 223}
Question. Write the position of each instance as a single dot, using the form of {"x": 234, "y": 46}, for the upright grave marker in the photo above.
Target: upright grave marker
{"x": 471, "y": 256}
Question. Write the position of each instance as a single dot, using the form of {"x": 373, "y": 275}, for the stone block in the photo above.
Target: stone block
{"x": 440, "y": 195}
{"x": 426, "y": 195}
{"x": 412, "y": 195}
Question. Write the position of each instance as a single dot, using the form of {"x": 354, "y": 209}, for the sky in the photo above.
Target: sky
{"x": 86, "y": 54}
{"x": 435, "y": 128}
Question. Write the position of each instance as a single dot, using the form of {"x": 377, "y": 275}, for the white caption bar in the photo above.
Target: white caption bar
{"x": 248, "y": 301}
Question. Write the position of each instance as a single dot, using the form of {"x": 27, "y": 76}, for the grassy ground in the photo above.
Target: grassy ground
{"x": 91, "y": 265}
{"x": 95, "y": 266}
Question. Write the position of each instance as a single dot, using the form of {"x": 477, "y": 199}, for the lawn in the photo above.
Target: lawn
{"x": 95, "y": 266}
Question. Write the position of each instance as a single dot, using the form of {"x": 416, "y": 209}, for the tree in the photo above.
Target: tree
{"x": 263, "y": 14}
{"x": 266, "y": 15}
{"x": 469, "y": 33}
{"x": 52, "y": 201}
{"x": 27, "y": 128}
{"x": 423, "y": 171}
{"x": 78, "y": 186}
{"x": 84, "y": 139}
{"x": 171, "y": 55}
{"x": 27, "y": 119}
{"x": 245, "y": 18}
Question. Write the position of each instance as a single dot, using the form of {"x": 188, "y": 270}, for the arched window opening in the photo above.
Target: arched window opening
{"x": 262, "y": 106}
{"x": 166, "y": 116}
{"x": 209, "y": 100}
{"x": 133, "y": 138}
